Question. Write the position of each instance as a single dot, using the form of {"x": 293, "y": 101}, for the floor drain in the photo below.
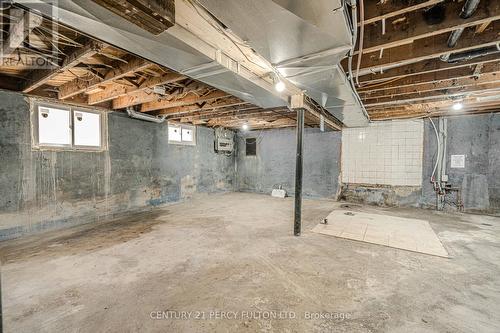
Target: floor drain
{"x": 349, "y": 206}
{"x": 349, "y": 213}
{"x": 487, "y": 224}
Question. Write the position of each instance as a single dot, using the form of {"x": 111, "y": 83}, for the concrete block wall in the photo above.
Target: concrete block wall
{"x": 41, "y": 190}
{"x": 274, "y": 164}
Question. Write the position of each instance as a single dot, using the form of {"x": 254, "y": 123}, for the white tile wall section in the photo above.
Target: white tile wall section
{"x": 385, "y": 153}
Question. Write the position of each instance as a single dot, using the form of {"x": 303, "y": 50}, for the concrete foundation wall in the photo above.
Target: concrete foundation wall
{"x": 477, "y": 137}
{"x": 46, "y": 189}
{"x": 274, "y": 164}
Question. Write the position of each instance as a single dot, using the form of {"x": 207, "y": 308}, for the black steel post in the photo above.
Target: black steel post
{"x": 298, "y": 173}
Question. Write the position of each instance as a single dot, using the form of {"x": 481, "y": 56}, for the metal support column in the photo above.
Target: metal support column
{"x": 298, "y": 173}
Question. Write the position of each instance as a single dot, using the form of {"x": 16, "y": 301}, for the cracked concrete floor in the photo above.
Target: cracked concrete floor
{"x": 232, "y": 255}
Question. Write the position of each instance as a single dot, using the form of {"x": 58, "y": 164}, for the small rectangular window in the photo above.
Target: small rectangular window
{"x": 65, "y": 127}
{"x": 54, "y": 127}
{"x": 174, "y": 134}
{"x": 251, "y": 146}
{"x": 182, "y": 134}
{"x": 87, "y": 128}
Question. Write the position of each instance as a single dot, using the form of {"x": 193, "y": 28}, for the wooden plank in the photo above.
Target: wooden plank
{"x": 19, "y": 30}
{"x": 190, "y": 99}
{"x": 182, "y": 110}
{"x": 144, "y": 96}
{"x": 434, "y": 95}
{"x": 40, "y": 77}
{"x": 451, "y": 83}
{"x": 120, "y": 70}
{"x": 155, "y": 16}
{"x": 433, "y": 77}
{"x": 116, "y": 90}
{"x": 417, "y": 28}
{"x": 378, "y": 10}
{"x": 422, "y": 67}
{"x": 427, "y": 48}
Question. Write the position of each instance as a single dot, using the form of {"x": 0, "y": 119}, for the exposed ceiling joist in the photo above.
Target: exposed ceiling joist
{"x": 190, "y": 99}
{"x": 443, "y": 94}
{"x": 429, "y": 48}
{"x": 117, "y": 90}
{"x": 42, "y": 76}
{"x": 422, "y": 67}
{"x": 401, "y": 34}
{"x": 120, "y": 69}
{"x": 379, "y": 10}
{"x": 449, "y": 83}
{"x": 181, "y": 110}
{"x": 434, "y": 77}
{"x": 145, "y": 96}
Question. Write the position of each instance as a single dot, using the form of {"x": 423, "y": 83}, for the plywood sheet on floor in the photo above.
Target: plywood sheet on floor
{"x": 401, "y": 233}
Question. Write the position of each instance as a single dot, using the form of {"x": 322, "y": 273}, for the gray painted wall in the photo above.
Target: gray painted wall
{"x": 46, "y": 189}
{"x": 274, "y": 164}
{"x": 477, "y": 137}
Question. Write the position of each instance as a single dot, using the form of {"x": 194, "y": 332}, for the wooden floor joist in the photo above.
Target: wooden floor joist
{"x": 190, "y": 99}
{"x": 428, "y": 48}
{"x": 119, "y": 70}
{"x": 118, "y": 90}
{"x": 378, "y": 10}
{"x": 437, "y": 85}
{"x": 40, "y": 77}
{"x": 434, "y": 77}
{"x": 417, "y": 28}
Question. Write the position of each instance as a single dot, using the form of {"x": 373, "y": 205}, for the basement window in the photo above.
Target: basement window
{"x": 182, "y": 134}
{"x": 65, "y": 127}
{"x": 251, "y": 146}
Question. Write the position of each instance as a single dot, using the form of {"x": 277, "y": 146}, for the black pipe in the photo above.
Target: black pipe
{"x": 298, "y": 173}
{"x": 468, "y": 9}
{"x": 468, "y": 55}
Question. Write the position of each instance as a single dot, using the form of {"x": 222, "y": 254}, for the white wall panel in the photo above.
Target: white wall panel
{"x": 385, "y": 153}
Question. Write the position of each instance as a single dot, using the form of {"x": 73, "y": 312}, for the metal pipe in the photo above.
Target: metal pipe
{"x": 468, "y": 9}
{"x": 298, "y": 172}
{"x": 468, "y": 55}
{"x": 454, "y": 36}
{"x": 142, "y": 116}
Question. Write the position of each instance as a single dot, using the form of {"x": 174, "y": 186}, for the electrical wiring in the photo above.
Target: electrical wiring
{"x": 361, "y": 37}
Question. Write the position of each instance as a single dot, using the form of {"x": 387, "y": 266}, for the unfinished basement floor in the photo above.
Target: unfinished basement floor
{"x": 234, "y": 255}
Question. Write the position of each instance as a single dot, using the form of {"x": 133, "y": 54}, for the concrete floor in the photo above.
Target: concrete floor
{"x": 235, "y": 253}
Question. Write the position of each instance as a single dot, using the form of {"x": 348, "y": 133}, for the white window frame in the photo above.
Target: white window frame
{"x": 182, "y": 127}
{"x": 36, "y": 104}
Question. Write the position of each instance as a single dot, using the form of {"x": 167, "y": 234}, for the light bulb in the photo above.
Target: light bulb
{"x": 457, "y": 106}
{"x": 279, "y": 86}
{"x": 244, "y": 127}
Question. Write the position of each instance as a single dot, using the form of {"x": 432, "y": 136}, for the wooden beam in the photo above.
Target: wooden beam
{"x": 120, "y": 70}
{"x": 422, "y": 67}
{"x": 181, "y": 110}
{"x": 434, "y": 95}
{"x": 18, "y": 31}
{"x": 445, "y": 84}
{"x": 416, "y": 28}
{"x": 433, "y": 77}
{"x": 144, "y": 96}
{"x": 154, "y": 16}
{"x": 427, "y": 48}
{"x": 41, "y": 77}
{"x": 190, "y": 99}
{"x": 378, "y": 10}
{"x": 117, "y": 90}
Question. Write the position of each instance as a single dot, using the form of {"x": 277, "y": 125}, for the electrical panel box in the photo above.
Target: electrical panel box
{"x": 224, "y": 145}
